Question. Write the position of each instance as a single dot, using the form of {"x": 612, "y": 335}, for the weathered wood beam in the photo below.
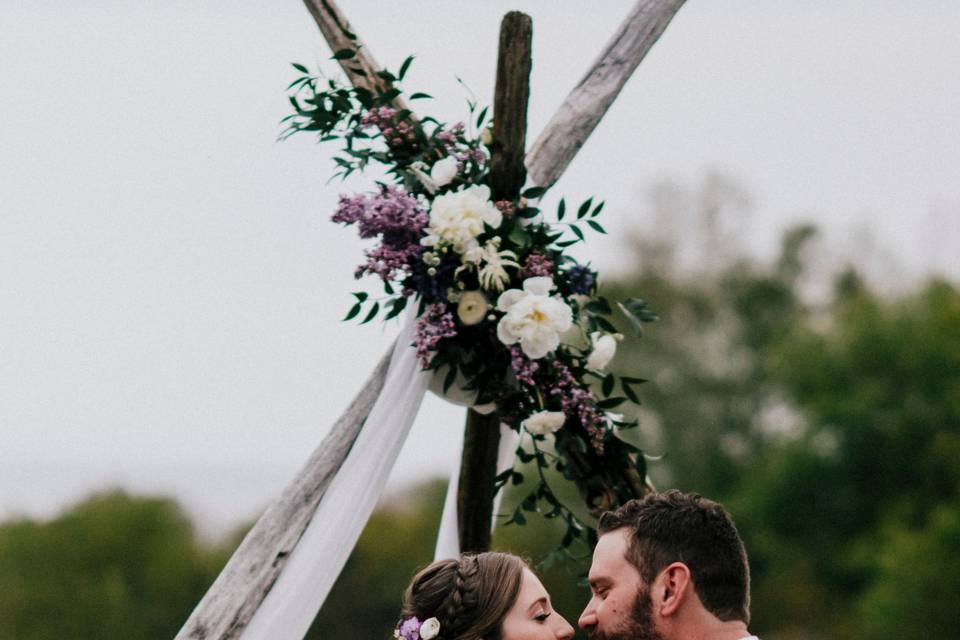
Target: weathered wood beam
{"x": 340, "y": 35}
{"x": 478, "y": 465}
{"x": 230, "y": 603}
{"x": 589, "y": 100}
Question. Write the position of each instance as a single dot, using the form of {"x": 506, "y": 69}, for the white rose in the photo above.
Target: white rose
{"x": 533, "y": 318}
{"x": 604, "y": 348}
{"x": 429, "y": 629}
{"x": 472, "y": 307}
{"x": 543, "y": 422}
{"x": 444, "y": 171}
{"x": 457, "y": 218}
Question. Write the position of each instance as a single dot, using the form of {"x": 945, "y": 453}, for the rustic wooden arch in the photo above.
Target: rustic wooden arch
{"x": 234, "y": 597}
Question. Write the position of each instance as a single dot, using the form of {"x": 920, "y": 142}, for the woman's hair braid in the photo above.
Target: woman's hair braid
{"x": 469, "y": 596}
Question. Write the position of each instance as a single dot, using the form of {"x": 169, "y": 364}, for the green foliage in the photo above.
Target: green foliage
{"x": 831, "y": 431}
{"x": 113, "y": 566}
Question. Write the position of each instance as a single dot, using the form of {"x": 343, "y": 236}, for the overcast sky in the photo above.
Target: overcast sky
{"x": 171, "y": 286}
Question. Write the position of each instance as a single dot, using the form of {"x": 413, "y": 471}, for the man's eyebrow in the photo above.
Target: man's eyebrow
{"x": 598, "y": 582}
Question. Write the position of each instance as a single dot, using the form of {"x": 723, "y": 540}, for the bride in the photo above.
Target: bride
{"x": 487, "y": 596}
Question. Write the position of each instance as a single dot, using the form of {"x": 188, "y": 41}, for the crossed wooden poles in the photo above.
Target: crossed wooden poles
{"x": 234, "y": 597}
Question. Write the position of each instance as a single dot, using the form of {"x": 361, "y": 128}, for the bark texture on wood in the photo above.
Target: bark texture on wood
{"x": 478, "y": 471}
{"x": 478, "y": 464}
{"x": 510, "y": 98}
{"x": 340, "y": 35}
{"x": 236, "y": 594}
{"x": 592, "y": 96}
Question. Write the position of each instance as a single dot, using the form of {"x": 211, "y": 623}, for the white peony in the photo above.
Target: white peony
{"x": 457, "y": 218}
{"x": 429, "y": 629}
{"x": 604, "y": 348}
{"x": 472, "y": 307}
{"x": 543, "y": 422}
{"x": 533, "y": 318}
{"x": 444, "y": 171}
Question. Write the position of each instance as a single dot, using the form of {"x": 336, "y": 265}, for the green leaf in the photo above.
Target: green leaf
{"x": 519, "y": 236}
{"x": 300, "y": 67}
{"x": 345, "y": 54}
{"x": 420, "y": 95}
{"x": 561, "y": 209}
{"x": 567, "y": 243}
{"x": 598, "y": 209}
{"x": 584, "y": 208}
{"x": 388, "y": 288}
{"x": 397, "y": 306}
{"x": 629, "y": 392}
{"x": 373, "y": 312}
{"x": 607, "y": 386}
{"x": 360, "y": 296}
{"x": 610, "y": 403}
{"x": 404, "y": 67}
{"x": 576, "y": 231}
{"x": 596, "y": 226}
{"x": 354, "y": 310}
{"x": 481, "y": 116}
{"x": 534, "y": 192}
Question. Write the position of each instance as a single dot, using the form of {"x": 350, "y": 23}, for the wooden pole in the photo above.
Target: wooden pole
{"x": 229, "y": 604}
{"x": 580, "y": 113}
{"x": 478, "y": 465}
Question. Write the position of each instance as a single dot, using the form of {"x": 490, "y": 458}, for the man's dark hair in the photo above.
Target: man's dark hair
{"x": 682, "y": 527}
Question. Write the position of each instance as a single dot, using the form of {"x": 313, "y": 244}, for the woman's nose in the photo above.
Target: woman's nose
{"x": 564, "y": 631}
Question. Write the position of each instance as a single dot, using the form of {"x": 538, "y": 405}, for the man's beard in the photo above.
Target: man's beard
{"x": 639, "y": 626}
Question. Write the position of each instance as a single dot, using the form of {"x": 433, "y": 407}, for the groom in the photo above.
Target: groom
{"x": 668, "y": 567}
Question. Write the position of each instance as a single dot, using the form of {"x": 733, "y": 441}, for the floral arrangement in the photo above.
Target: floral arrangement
{"x": 412, "y": 629}
{"x": 501, "y": 304}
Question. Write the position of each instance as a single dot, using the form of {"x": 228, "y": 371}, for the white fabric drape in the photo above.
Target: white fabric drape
{"x": 313, "y": 566}
{"x": 448, "y": 537}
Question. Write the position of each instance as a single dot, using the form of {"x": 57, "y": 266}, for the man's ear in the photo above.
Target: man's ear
{"x": 674, "y": 587}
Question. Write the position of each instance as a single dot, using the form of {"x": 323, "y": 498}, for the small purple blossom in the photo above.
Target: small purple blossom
{"x": 434, "y": 325}
{"x": 535, "y": 265}
{"x": 523, "y": 367}
{"x": 410, "y": 629}
{"x": 449, "y": 137}
{"x": 397, "y": 218}
{"x": 579, "y": 404}
{"x": 580, "y": 279}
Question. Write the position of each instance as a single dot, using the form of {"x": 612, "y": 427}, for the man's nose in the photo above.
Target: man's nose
{"x": 588, "y": 618}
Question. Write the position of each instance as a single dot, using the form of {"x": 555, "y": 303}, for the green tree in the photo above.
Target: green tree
{"x": 113, "y": 566}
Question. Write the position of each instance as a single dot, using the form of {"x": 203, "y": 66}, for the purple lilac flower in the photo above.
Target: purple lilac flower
{"x": 399, "y": 220}
{"x": 536, "y": 264}
{"x": 580, "y": 279}
{"x": 434, "y": 325}
{"x": 580, "y": 404}
{"x": 449, "y": 137}
{"x": 479, "y": 156}
{"x": 410, "y": 629}
{"x": 523, "y": 367}
{"x": 395, "y": 133}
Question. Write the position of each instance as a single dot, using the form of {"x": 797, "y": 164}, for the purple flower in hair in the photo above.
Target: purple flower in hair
{"x": 410, "y": 629}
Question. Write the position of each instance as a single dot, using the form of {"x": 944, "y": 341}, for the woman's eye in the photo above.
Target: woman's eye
{"x": 541, "y": 617}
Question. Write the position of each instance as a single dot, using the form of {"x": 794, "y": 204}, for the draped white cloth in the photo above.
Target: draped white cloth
{"x": 318, "y": 558}
{"x": 448, "y": 537}
{"x": 313, "y": 566}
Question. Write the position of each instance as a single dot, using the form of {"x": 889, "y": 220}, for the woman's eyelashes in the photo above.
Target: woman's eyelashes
{"x": 542, "y": 616}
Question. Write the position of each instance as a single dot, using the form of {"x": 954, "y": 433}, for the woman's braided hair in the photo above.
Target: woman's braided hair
{"x": 469, "y": 596}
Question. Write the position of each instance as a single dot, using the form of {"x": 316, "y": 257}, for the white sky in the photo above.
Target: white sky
{"x": 171, "y": 287}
